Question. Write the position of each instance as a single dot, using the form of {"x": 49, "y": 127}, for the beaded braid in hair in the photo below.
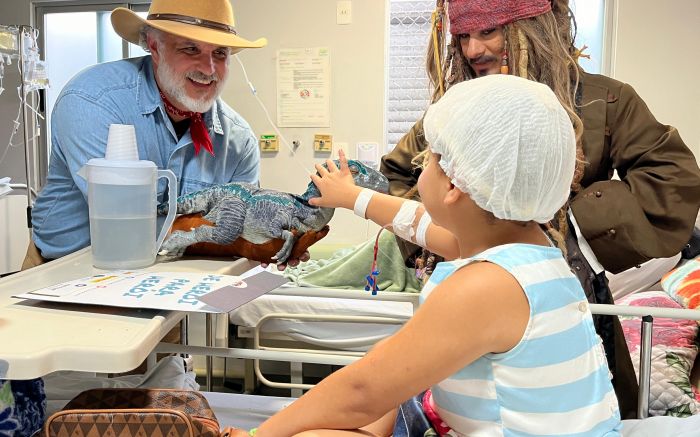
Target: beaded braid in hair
{"x": 433, "y": 64}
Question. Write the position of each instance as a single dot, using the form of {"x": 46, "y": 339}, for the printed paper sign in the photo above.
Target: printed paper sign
{"x": 303, "y": 87}
{"x": 179, "y": 291}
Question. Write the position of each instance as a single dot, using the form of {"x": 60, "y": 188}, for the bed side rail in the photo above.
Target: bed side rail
{"x": 647, "y": 314}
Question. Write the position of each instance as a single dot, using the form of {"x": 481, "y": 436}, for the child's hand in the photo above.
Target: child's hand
{"x": 337, "y": 186}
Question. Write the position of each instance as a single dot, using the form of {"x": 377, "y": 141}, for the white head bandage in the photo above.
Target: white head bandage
{"x": 507, "y": 142}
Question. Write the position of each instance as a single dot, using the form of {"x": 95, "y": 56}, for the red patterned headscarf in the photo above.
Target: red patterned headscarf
{"x": 467, "y": 16}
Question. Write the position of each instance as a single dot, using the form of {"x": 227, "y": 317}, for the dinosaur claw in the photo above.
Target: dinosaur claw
{"x": 280, "y": 258}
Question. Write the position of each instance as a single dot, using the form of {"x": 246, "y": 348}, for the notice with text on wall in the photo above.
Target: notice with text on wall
{"x": 177, "y": 291}
{"x": 303, "y": 87}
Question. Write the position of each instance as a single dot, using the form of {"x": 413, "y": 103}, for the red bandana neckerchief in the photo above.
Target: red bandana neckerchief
{"x": 200, "y": 134}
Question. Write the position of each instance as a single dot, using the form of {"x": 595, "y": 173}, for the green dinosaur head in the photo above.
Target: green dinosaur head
{"x": 367, "y": 177}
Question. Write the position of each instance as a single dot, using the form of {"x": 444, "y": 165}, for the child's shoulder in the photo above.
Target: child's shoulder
{"x": 473, "y": 277}
{"x": 479, "y": 273}
{"x": 501, "y": 272}
{"x": 538, "y": 274}
{"x": 528, "y": 262}
{"x": 510, "y": 257}
{"x": 520, "y": 254}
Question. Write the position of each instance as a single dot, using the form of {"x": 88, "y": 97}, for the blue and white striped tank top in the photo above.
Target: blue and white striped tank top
{"x": 555, "y": 381}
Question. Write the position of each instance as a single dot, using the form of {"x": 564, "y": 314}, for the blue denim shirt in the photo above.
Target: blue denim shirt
{"x": 125, "y": 92}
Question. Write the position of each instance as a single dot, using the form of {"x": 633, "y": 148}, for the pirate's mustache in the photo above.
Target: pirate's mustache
{"x": 485, "y": 59}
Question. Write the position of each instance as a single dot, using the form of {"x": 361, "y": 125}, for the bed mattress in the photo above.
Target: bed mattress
{"x": 337, "y": 335}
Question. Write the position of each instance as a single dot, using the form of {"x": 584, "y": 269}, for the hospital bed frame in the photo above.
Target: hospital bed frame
{"x": 339, "y": 348}
{"x": 340, "y": 357}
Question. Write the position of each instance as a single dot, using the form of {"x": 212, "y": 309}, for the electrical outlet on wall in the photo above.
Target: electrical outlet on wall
{"x": 323, "y": 143}
{"x": 269, "y": 143}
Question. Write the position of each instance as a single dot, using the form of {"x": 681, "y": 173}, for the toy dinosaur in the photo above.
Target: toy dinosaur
{"x": 239, "y": 219}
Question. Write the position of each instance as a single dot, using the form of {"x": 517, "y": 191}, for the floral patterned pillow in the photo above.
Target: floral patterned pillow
{"x": 674, "y": 349}
{"x": 683, "y": 284}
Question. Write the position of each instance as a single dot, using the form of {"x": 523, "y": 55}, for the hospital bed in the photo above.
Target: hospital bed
{"x": 320, "y": 321}
{"x": 321, "y": 325}
{"x": 349, "y": 322}
{"x": 332, "y": 326}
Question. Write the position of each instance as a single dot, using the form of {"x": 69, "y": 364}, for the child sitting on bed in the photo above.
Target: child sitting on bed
{"x": 503, "y": 338}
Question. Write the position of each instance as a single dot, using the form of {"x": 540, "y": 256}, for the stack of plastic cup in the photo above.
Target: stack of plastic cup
{"x": 121, "y": 143}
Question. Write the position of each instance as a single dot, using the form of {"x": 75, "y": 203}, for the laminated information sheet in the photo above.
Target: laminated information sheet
{"x": 303, "y": 87}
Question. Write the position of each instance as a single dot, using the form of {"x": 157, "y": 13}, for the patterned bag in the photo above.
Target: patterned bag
{"x": 135, "y": 412}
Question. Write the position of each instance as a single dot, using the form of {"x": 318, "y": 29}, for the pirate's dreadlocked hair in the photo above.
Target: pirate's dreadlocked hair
{"x": 541, "y": 49}
{"x": 430, "y": 66}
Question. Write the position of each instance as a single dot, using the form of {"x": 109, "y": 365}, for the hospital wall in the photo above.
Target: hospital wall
{"x": 655, "y": 50}
{"x": 357, "y": 89}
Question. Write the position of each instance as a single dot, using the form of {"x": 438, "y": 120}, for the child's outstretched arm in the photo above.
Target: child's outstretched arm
{"x": 338, "y": 190}
{"x": 462, "y": 319}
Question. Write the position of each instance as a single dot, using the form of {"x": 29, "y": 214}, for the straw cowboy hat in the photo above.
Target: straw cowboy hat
{"x": 209, "y": 21}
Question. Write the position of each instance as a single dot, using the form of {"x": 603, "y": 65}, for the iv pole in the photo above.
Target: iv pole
{"x": 25, "y": 127}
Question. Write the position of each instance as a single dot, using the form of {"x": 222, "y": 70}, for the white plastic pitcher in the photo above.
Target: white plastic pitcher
{"x": 122, "y": 203}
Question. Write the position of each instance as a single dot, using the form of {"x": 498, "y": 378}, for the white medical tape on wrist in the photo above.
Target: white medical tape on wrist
{"x": 403, "y": 220}
{"x": 362, "y": 202}
{"x": 422, "y": 229}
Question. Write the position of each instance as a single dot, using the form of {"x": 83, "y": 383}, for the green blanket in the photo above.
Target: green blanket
{"x": 348, "y": 268}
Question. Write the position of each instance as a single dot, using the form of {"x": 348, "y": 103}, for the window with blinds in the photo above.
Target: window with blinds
{"x": 407, "y": 85}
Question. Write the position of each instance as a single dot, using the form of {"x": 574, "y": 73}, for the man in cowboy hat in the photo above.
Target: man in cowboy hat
{"x": 172, "y": 99}
{"x": 611, "y": 225}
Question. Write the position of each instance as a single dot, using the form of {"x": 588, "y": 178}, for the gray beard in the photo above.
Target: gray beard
{"x": 174, "y": 84}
